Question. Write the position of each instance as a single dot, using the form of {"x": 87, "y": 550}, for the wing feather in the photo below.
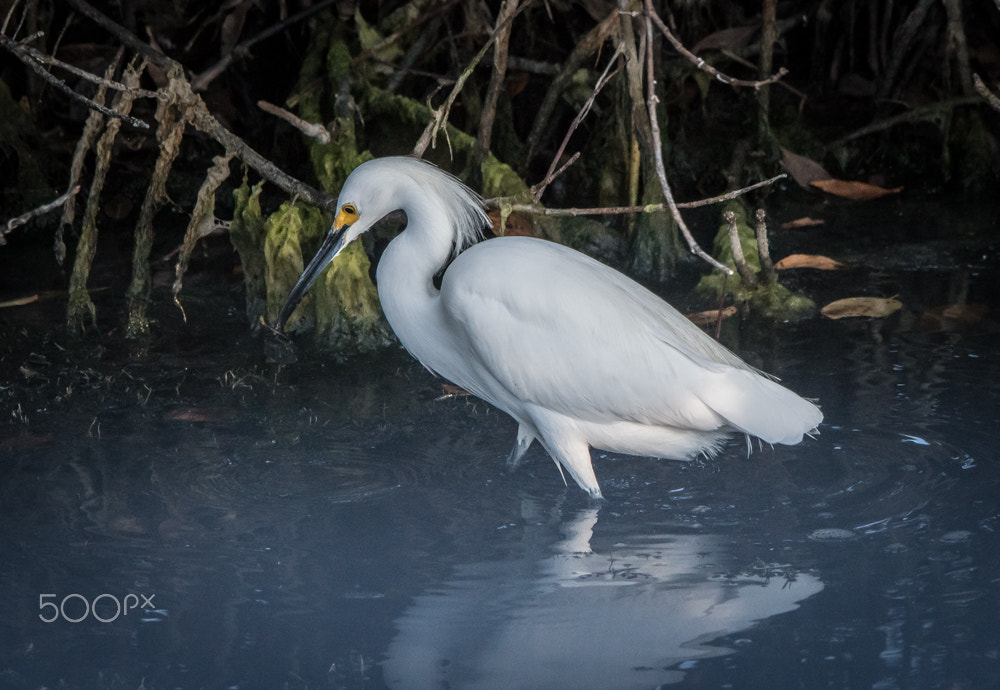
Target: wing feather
{"x": 566, "y": 332}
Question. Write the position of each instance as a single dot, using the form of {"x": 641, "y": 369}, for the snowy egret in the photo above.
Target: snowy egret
{"x": 579, "y": 354}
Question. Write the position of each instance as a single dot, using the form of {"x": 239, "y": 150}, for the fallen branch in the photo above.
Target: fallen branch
{"x": 34, "y": 213}
{"x": 700, "y": 62}
{"x": 310, "y": 129}
{"x": 28, "y": 55}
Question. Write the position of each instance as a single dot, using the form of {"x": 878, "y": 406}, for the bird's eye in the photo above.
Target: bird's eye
{"x": 349, "y": 210}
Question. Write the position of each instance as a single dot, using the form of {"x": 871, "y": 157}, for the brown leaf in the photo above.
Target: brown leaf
{"x": 952, "y": 317}
{"x": 803, "y": 170}
{"x": 726, "y": 39}
{"x": 874, "y": 307}
{"x": 823, "y": 263}
{"x": 450, "y": 390}
{"x": 856, "y": 191}
{"x": 711, "y": 316}
{"x": 19, "y": 302}
{"x": 518, "y": 224}
{"x": 515, "y": 82}
{"x": 806, "y": 222}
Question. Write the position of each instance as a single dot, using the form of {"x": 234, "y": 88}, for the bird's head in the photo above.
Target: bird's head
{"x": 365, "y": 198}
{"x": 377, "y": 188}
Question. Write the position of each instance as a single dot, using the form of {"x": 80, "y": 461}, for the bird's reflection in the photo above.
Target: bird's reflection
{"x": 567, "y": 615}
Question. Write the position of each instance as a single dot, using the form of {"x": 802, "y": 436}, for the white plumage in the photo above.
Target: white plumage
{"x": 579, "y": 354}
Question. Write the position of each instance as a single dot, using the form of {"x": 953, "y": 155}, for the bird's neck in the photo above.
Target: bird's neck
{"x": 405, "y": 277}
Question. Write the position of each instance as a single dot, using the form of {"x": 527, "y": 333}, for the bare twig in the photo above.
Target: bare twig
{"x": 105, "y": 81}
{"x": 981, "y": 89}
{"x": 764, "y": 249}
{"x": 732, "y": 194}
{"x": 34, "y": 213}
{"x": 10, "y": 13}
{"x": 539, "y": 189}
{"x": 26, "y": 55}
{"x": 649, "y": 208}
{"x": 700, "y": 63}
{"x": 203, "y": 120}
{"x": 782, "y": 83}
{"x": 201, "y": 81}
{"x": 738, "y": 257}
{"x": 437, "y": 123}
{"x": 433, "y": 15}
{"x": 310, "y": 129}
{"x": 661, "y": 173}
{"x": 124, "y": 36}
{"x": 502, "y": 33}
{"x": 588, "y": 45}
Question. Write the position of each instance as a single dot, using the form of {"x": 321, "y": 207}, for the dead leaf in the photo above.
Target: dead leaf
{"x": 450, "y": 390}
{"x": 806, "y": 222}
{"x": 855, "y": 191}
{"x": 518, "y": 224}
{"x": 703, "y": 318}
{"x": 515, "y": 82}
{"x": 874, "y": 307}
{"x": 727, "y": 39}
{"x": 19, "y": 302}
{"x": 952, "y": 317}
{"x": 823, "y": 263}
{"x": 803, "y": 170}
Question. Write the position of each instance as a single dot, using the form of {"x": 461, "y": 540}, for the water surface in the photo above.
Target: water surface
{"x": 324, "y": 525}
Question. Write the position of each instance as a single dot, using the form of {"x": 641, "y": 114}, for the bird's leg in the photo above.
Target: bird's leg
{"x": 524, "y": 439}
{"x": 574, "y": 455}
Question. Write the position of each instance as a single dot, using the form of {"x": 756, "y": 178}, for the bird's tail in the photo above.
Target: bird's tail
{"x": 761, "y": 407}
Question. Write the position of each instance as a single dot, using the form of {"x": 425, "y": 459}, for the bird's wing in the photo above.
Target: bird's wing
{"x": 563, "y": 331}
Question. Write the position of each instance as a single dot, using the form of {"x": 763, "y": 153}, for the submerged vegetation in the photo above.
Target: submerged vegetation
{"x": 609, "y": 111}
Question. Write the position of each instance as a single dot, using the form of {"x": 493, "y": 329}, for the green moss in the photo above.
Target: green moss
{"x": 342, "y": 307}
{"x": 770, "y": 299}
{"x": 247, "y": 235}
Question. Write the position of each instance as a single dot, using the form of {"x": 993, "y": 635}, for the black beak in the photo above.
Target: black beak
{"x": 332, "y": 245}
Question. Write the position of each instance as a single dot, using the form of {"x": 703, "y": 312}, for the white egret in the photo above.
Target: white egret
{"x": 579, "y": 354}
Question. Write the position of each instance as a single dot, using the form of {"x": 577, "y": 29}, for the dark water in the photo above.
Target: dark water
{"x": 215, "y": 522}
